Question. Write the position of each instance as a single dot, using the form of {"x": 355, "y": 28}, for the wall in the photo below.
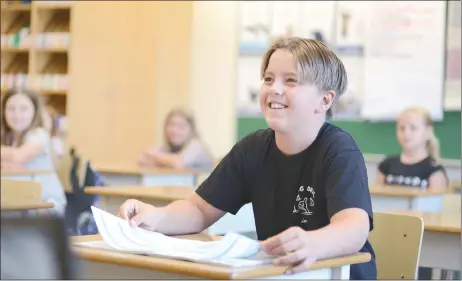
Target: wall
{"x": 213, "y": 72}
{"x": 379, "y": 138}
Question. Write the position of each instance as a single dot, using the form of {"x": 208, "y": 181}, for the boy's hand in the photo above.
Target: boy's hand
{"x": 141, "y": 214}
{"x": 295, "y": 248}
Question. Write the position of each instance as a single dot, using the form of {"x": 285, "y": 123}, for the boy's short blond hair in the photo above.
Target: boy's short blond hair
{"x": 316, "y": 64}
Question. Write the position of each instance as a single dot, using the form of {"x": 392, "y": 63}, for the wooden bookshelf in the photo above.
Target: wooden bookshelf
{"x": 35, "y": 48}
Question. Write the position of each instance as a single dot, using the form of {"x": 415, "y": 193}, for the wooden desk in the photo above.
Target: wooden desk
{"x": 441, "y": 246}
{"x": 27, "y": 175}
{"x": 26, "y": 206}
{"x": 386, "y": 198}
{"x": 111, "y": 198}
{"x": 118, "y": 175}
{"x": 105, "y": 264}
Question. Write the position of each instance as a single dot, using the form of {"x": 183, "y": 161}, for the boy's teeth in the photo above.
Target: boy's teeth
{"x": 276, "y": 106}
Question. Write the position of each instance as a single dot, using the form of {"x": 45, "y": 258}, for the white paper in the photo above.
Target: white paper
{"x": 233, "y": 249}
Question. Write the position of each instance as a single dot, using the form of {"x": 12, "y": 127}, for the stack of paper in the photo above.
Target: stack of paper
{"x": 233, "y": 249}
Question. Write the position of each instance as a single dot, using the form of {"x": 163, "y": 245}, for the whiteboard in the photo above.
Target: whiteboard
{"x": 404, "y": 58}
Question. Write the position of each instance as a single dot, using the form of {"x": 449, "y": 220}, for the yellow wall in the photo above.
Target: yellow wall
{"x": 213, "y": 72}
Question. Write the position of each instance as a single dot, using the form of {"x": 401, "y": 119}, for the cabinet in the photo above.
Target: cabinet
{"x": 129, "y": 65}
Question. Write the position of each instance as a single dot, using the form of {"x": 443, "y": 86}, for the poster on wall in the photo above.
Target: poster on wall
{"x": 452, "y": 95}
{"x": 254, "y": 28}
{"x": 349, "y": 27}
{"x": 404, "y": 58}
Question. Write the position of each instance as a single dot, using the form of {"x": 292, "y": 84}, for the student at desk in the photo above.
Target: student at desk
{"x": 417, "y": 165}
{"x": 25, "y": 144}
{"x": 182, "y": 148}
{"x": 305, "y": 178}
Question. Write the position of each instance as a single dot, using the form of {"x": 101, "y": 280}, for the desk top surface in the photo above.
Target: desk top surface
{"x": 134, "y": 170}
{"x": 448, "y": 222}
{"x": 23, "y": 172}
{"x": 24, "y": 206}
{"x": 170, "y": 193}
{"x": 192, "y": 269}
{"x": 400, "y": 191}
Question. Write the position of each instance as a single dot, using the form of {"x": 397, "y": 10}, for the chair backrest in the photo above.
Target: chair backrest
{"x": 397, "y": 240}
{"x": 69, "y": 164}
{"x": 14, "y": 191}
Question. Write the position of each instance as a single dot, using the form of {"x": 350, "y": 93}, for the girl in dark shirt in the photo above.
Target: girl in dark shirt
{"x": 417, "y": 165}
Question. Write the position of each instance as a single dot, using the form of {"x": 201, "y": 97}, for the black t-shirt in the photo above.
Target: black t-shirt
{"x": 303, "y": 190}
{"x": 412, "y": 175}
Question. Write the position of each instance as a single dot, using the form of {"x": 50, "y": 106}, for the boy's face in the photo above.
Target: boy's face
{"x": 286, "y": 103}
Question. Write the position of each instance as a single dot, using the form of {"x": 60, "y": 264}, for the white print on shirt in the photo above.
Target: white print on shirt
{"x": 304, "y": 202}
{"x": 409, "y": 181}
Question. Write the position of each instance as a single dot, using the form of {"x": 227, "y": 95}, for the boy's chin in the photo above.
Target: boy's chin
{"x": 277, "y": 125}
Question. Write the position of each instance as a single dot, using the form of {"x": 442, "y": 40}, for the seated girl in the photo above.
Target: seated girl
{"x": 417, "y": 165}
{"x": 26, "y": 145}
{"x": 182, "y": 148}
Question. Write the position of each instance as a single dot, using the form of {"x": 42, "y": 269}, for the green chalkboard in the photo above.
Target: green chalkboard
{"x": 380, "y": 138}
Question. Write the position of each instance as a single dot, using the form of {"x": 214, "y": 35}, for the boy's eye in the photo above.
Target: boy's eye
{"x": 268, "y": 79}
{"x": 291, "y": 80}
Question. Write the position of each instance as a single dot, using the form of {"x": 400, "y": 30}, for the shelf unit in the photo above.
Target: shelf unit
{"x": 35, "y": 46}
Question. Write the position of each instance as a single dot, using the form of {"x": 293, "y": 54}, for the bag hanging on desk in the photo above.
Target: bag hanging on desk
{"x": 80, "y": 174}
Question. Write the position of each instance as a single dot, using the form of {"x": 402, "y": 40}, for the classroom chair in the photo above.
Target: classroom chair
{"x": 36, "y": 248}
{"x": 397, "y": 241}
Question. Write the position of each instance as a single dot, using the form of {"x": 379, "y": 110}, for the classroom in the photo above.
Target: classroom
{"x": 231, "y": 140}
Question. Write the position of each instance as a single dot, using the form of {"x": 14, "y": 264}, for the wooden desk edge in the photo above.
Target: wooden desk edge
{"x": 26, "y": 206}
{"x": 430, "y": 227}
{"x": 24, "y": 172}
{"x": 113, "y": 192}
{"x": 146, "y": 172}
{"x": 199, "y": 270}
{"x": 400, "y": 192}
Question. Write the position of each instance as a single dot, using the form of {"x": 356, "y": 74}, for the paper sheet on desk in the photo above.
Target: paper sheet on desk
{"x": 233, "y": 249}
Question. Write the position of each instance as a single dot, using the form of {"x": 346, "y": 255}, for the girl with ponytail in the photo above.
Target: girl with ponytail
{"x": 418, "y": 164}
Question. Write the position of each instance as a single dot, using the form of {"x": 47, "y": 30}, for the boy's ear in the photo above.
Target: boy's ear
{"x": 326, "y": 101}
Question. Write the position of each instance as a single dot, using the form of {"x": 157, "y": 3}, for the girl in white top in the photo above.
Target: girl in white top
{"x": 182, "y": 148}
{"x": 26, "y": 144}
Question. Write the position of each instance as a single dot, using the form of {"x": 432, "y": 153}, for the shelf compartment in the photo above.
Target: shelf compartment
{"x": 9, "y": 81}
{"x": 53, "y": 41}
{"x": 52, "y": 63}
{"x": 51, "y": 84}
{"x": 15, "y": 6}
{"x": 53, "y": 20}
{"x": 15, "y": 63}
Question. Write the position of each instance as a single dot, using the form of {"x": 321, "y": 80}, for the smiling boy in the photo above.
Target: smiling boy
{"x": 305, "y": 178}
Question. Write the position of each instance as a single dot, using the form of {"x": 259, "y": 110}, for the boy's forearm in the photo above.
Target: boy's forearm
{"x": 339, "y": 239}
{"x": 181, "y": 217}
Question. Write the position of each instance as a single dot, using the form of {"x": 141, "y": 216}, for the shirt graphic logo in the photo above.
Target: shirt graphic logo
{"x": 304, "y": 203}
{"x": 408, "y": 181}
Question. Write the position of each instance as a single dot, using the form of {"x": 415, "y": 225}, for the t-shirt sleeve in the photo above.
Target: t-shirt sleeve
{"x": 226, "y": 187}
{"x": 346, "y": 182}
{"x": 384, "y": 166}
{"x": 193, "y": 153}
{"x": 435, "y": 167}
